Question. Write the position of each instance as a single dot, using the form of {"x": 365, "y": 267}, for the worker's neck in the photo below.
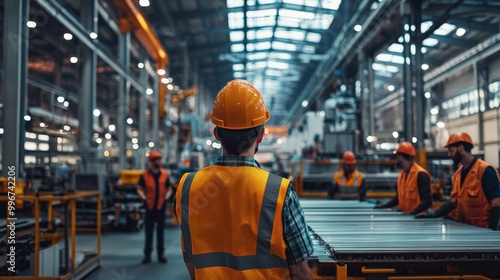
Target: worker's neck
{"x": 467, "y": 159}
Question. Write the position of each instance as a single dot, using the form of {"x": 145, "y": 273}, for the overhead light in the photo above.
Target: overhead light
{"x": 427, "y": 95}
{"x": 140, "y": 65}
{"x": 170, "y": 87}
{"x": 66, "y": 104}
{"x": 144, "y": 3}
{"x": 440, "y": 124}
{"x": 67, "y": 128}
{"x": 60, "y": 99}
{"x": 151, "y": 144}
{"x": 395, "y": 134}
{"x": 31, "y": 24}
{"x": 1, "y": 130}
{"x": 130, "y": 121}
{"x": 135, "y": 146}
{"x": 305, "y": 103}
{"x": 42, "y": 124}
{"x": 161, "y": 72}
{"x": 358, "y": 27}
{"x": 73, "y": 59}
{"x": 135, "y": 140}
{"x": 425, "y": 66}
{"x": 164, "y": 80}
{"x": 27, "y": 118}
{"x": 112, "y": 127}
{"x": 67, "y": 36}
{"x": 390, "y": 87}
{"x": 460, "y": 32}
{"x": 107, "y": 136}
{"x": 149, "y": 91}
{"x": 435, "y": 110}
{"x": 414, "y": 139}
{"x": 93, "y": 35}
{"x": 98, "y": 140}
{"x": 97, "y": 112}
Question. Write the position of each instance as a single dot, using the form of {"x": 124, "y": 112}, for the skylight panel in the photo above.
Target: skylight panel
{"x": 257, "y": 56}
{"x": 383, "y": 57}
{"x": 261, "y": 13}
{"x": 425, "y": 26}
{"x": 396, "y": 48}
{"x": 237, "y": 47}
{"x": 311, "y": 3}
{"x": 264, "y": 33}
{"x": 289, "y": 22}
{"x": 263, "y": 46}
{"x": 313, "y": 37}
{"x": 322, "y": 21}
{"x": 238, "y": 67}
{"x": 235, "y": 20}
{"x": 260, "y": 64}
{"x": 397, "y": 59}
{"x": 238, "y": 75}
{"x": 236, "y": 36}
{"x": 250, "y": 47}
{"x": 284, "y": 46}
{"x": 235, "y": 3}
{"x": 296, "y": 14}
{"x": 430, "y": 42}
{"x": 276, "y": 73}
{"x": 280, "y": 55}
{"x": 278, "y": 65}
{"x": 262, "y": 2}
{"x": 444, "y": 29}
{"x": 293, "y": 35}
{"x": 308, "y": 49}
{"x": 331, "y": 4}
{"x": 260, "y": 22}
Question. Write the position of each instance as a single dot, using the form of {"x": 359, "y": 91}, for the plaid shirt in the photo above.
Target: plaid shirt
{"x": 298, "y": 242}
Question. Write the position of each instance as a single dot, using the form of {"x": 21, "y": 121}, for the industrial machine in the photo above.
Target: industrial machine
{"x": 354, "y": 241}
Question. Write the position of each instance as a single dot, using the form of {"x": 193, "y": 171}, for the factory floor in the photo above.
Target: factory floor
{"x": 122, "y": 253}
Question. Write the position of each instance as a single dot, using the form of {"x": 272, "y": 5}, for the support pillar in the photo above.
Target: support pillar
{"x": 143, "y": 120}
{"x": 407, "y": 71}
{"x": 87, "y": 95}
{"x": 422, "y": 112}
{"x": 482, "y": 77}
{"x": 124, "y": 100}
{"x": 15, "y": 41}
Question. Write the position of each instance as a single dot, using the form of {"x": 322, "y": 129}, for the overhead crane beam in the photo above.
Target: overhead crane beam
{"x": 133, "y": 20}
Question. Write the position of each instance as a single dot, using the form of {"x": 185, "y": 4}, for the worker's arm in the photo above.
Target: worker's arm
{"x": 296, "y": 236}
{"x": 491, "y": 188}
{"x": 424, "y": 191}
{"x": 362, "y": 191}
{"x": 444, "y": 209}
{"x": 391, "y": 203}
{"x": 140, "y": 188}
{"x": 300, "y": 271}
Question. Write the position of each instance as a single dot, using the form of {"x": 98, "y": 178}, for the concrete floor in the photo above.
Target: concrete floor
{"x": 122, "y": 252}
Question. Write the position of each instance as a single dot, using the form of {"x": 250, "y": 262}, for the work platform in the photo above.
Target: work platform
{"x": 354, "y": 241}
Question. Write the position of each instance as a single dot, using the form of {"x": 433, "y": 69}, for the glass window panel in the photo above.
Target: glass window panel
{"x": 238, "y": 67}
{"x": 257, "y": 56}
{"x": 308, "y": 49}
{"x": 235, "y": 20}
{"x": 280, "y": 55}
{"x": 284, "y": 46}
{"x": 30, "y": 146}
{"x": 296, "y": 14}
{"x": 235, "y": 3}
{"x": 260, "y": 22}
{"x": 264, "y": 33}
{"x": 313, "y": 37}
{"x": 444, "y": 29}
{"x": 278, "y": 65}
{"x": 261, "y": 13}
{"x": 236, "y": 36}
{"x": 263, "y": 46}
{"x": 237, "y": 48}
{"x": 430, "y": 42}
{"x": 289, "y": 22}
{"x": 238, "y": 74}
{"x": 331, "y": 4}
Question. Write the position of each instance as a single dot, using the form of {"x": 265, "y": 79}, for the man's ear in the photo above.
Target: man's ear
{"x": 260, "y": 137}
{"x": 215, "y": 134}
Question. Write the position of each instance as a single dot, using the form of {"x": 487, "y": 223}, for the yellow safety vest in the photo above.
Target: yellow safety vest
{"x": 231, "y": 222}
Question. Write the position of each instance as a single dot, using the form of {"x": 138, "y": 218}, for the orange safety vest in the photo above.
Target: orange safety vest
{"x": 472, "y": 205}
{"x": 408, "y": 196}
{"x": 348, "y": 188}
{"x": 150, "y": 189}
{"x": 231, "y": 222}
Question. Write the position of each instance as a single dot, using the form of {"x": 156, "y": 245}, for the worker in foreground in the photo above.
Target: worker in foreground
{"x": 413, "y": 193}
{"x": 348, "y": 183}
{"x": 237, "y": 220}
{"x": 154, "y": 188}
{"x": 475, "y": 192}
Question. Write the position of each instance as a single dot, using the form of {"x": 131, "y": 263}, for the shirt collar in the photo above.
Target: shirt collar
{"x": 237, "y": 161}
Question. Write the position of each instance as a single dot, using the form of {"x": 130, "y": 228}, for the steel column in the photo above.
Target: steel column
{"x": 15, "y": 41}
{"x": 407, "y": 71}
{"x": 363, "y": 91}
{"x": 87, "y": 95}
{"x": 123, "y": 99}
{"x": 143, "y": 120}
{"x": 371, "y": 93}
{"x": 156, "y": 113}
{"x": 421, "y": 112}
{"x": 482, "y": 79}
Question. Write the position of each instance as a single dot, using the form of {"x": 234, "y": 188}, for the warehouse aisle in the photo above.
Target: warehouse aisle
{"x": 121, "y": 255}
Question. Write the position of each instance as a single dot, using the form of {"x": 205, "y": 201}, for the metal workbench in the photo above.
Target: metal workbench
{"x": 353, "y": 234}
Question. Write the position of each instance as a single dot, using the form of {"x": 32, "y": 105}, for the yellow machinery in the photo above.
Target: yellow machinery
{"x": 17, "y": 189}
{"x": 130, "y": 176}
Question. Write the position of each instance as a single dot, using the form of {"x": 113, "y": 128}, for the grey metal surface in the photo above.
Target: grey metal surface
{"x": 343, "y": 229}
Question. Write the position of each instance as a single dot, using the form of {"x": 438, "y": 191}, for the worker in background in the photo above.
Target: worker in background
{"x": 348, "y": 182}
{"x": 237, "y": 220}
{"x": 475, "y": 189}
{"x": 413, "y": 192}
{"x": 154, "y": 188}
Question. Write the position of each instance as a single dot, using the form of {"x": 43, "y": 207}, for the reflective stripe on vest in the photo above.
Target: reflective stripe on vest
{"x": 262, "y": 259}
{"x": 356, "y": 177}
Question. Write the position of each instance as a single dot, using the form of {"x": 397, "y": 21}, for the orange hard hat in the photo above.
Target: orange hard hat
{"x": 239, "y": 106}
{"x": 154, "y": 155}
{"x": 406, "y": 148}
{"x": 458, "y": 137}
{"x": 349, "y": 158}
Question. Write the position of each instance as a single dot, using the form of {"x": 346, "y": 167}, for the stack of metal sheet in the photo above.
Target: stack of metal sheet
{"x": 353, "y": 232}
